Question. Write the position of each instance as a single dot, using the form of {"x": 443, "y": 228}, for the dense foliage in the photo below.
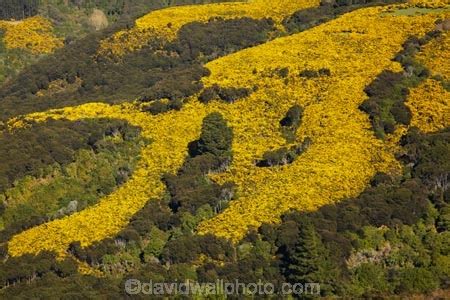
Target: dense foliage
{"x": 325, "y": 120}
{"x": 328, "y": 10}
{"x": 18, "y": 9}
{"x": 223, "y": 151}
{"x": 60, "y": 167}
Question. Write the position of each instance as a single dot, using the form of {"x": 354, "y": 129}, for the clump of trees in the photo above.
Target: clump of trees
{"x": 284, "y": 156}
{"x": 218, "y": 37}
{"x": 18, "y": 9}
{"x": 28, "y": 151}
{"x": 226, "y": 94}
{"x": 291, "y": 122}
{"x": 315, "y": 74}
{"x": 190, "y": 188}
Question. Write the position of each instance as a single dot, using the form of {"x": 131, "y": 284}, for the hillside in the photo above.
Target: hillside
{"x": 274, "y": 141}
{"x": 31, "y": 29}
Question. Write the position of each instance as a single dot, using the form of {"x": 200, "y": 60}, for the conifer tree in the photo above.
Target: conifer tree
{"x": 309, "y": 261}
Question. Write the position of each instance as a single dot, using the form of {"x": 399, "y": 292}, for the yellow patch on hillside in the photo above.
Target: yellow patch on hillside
{"x": 344, "y": 154}
{"x": 342, "y": 159}
{"x": 430, "y": 106}
{"x": 34, "y": 34}
{"x": 436, "y": 56}
{"x": 166, "y": 22}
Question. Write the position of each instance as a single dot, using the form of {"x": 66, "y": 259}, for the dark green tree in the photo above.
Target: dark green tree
{"x": 216, "y": 136}
{"x": 309, "y": 261}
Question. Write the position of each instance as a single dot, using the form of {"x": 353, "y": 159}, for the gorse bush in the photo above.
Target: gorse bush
{"x": 34, "y": 34}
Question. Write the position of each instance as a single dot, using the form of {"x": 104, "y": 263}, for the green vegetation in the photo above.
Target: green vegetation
{"x": 62, "y": 167}
{"x": 228, "y": 95}
{"x": 412, "y": 11}
{"x": 13, "y": 60}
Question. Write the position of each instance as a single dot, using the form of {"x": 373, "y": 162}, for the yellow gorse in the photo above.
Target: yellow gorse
{"x": 34, "y": 34}
{"x": 430, "y": 106}
{"x": 436, "y": 56}
{"x": 342, "y": 159}
{"x": 430, "y": 102}
{"x": 166, "y": 22}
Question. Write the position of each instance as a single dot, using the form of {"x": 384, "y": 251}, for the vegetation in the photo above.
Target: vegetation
{"x": 101, "y": 156}
{"x": 283, "y": 156}
{"x": 428, "y": 103}
{"x": 329, "y": 119}
{"x": 12, "y": 9}
{"x": 390, "y": 239}
{"x": 291, "y": 122}
{"x": 34, "y": 34}
{"x": 228, "y": 143}
{"x": 388, "y": 92}
{"x": 173, "y": 72}
{"x": 156, "y": 24}
{"x": 167, "y": 154}
{"x": 23, "y": 43}
{"x": 328, "y": 10}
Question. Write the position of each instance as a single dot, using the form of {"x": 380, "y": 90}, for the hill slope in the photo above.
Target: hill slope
{"x": 249, "y": 118}
{"x": 312, "y": 148}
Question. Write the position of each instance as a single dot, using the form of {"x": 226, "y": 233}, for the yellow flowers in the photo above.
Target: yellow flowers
{"x": 436, "y": 55}
{"x": 430, "y": 106}
{"x": 344, "y": 154}
{"x": 167, "y": 22}
{"x": 34, "y": 34}
{"x": 430, "y": 102}
{"x": 342, "y": 159}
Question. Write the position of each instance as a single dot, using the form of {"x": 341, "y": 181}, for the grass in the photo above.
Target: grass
{"x": 414, "y": 11}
